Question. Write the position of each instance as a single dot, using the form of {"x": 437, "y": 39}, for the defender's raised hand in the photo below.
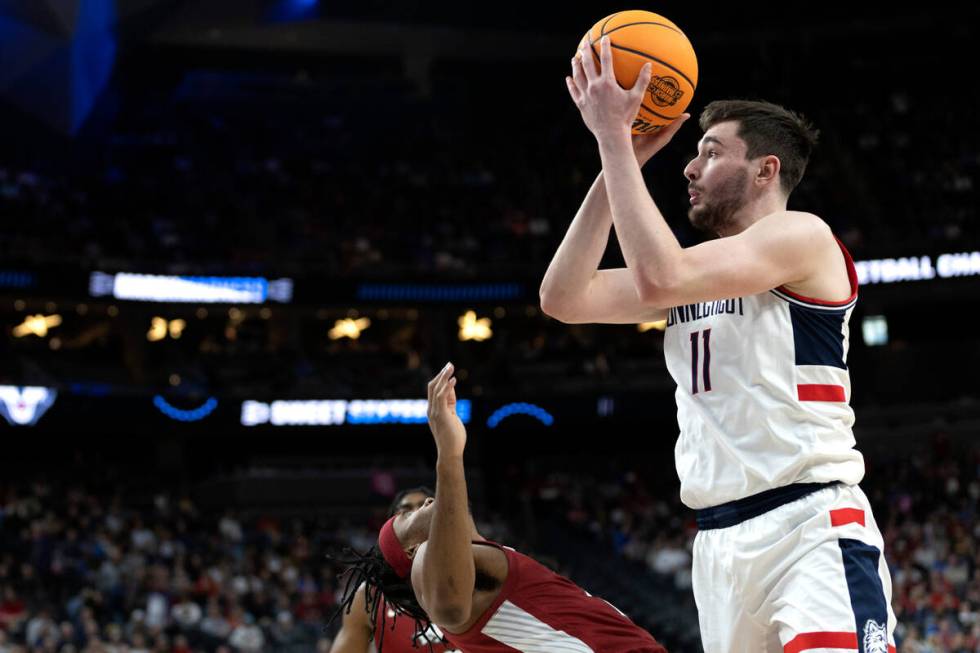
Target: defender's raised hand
{"x": 447, "y": 428}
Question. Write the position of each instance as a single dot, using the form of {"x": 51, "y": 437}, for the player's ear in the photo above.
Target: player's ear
{"x": 768, "y": 170}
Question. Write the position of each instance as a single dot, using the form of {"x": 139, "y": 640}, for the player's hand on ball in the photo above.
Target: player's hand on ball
{"x": 447, "y": 428}
{"x": 646, "y": 145}
{"x": 607, "y": 108}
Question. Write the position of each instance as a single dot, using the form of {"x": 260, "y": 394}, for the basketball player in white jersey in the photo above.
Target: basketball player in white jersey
{"x": 788, "y": 557}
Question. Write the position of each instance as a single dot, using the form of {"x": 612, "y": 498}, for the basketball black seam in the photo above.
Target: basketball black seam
{"x": 659, "y": 115}
{"x": 670, "y": 27}
{"x": 662, "y": 63}
{"x": 602, "y": 30}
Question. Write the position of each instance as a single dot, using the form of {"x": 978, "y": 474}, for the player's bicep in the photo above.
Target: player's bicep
{"x": 612, "y": 298}
{"x": 779, "y": 249}
{"x": 418, "y": 578}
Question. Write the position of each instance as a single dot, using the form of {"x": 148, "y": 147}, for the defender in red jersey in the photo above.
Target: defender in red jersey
{"x": 360, "y": 627}
{"x": 433, "y": 565}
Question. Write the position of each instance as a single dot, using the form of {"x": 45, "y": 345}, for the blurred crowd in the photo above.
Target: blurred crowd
{"x": 96, "y": 572}
{"x": 301, "y": 172}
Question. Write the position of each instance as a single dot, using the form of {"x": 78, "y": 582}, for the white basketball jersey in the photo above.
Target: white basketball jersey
{"x": 762, "y": 394}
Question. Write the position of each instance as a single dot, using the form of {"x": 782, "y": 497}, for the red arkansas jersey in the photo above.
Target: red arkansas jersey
{"x": 539, "y": 611}
{"x": 399, "y": 634}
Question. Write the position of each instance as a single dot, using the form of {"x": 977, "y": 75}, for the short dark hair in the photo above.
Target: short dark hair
{"x": 393, "y": 508}
{"x": 768, "y": 128}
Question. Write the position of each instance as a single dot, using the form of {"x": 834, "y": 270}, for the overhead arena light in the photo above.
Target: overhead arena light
{"x": 160, "y": 328}
{"x": 37, "y": 325}
{"x": 349, "y": 328}
{"x": 473, "y": 328}
{"x": 659, "y": 325}
{"x": 24, "y": 406}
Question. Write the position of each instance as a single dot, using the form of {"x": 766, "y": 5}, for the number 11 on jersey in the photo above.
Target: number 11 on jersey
{"x": 705, "y": 367}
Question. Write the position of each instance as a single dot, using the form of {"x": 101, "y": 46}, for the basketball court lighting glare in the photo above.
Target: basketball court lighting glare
{"x": 37, "y": 325}
{"x": 348, "y": 328}
{"x": 473, "y": 328}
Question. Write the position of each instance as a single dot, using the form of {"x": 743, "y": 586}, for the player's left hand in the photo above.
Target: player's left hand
{"x": 447, "y": 428}
{"x": 607, "y": 108}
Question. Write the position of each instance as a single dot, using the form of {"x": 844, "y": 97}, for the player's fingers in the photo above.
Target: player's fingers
{"x": 573, "y": 90}
{"x": 434, "y": 383}
{"x": 444, "y": 377}
{"x": 672, "y": 128}
{"x": 587, "y": 61}
{"x": 605, "y": 55}
{"x": 578, "y": 73}
{"x": 642, "y": 81}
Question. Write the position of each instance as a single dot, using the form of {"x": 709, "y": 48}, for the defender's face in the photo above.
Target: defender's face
{"x": 718, "y": 178}
{"x": 411, "y": 501}
{"x": 412, "y": 523}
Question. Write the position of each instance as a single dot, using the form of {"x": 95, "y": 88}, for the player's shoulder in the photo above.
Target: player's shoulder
{"x": 359, "y": 608}
{"x": 492, "y": 559}
{"x": 796, "y": 219}
{"x": 802, "y": 227}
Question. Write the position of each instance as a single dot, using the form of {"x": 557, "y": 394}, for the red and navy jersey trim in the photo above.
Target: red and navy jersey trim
{"x": 820, "y": 304}
{"x": 818, "y": 337}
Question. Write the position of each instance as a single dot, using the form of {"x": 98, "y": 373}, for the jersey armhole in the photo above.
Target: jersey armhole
{"x": 852, "y": 277}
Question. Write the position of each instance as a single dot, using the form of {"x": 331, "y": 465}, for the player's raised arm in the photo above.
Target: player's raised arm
{"x": 782, "y": 248}
{"x": 574, "y": 289}
{"x": 445, "y": 574}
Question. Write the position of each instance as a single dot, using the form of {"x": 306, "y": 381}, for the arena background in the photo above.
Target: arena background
{"x": 198, "y": 199}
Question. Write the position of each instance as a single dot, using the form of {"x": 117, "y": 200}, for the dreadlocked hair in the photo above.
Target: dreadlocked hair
{"x": 381, "y": 586}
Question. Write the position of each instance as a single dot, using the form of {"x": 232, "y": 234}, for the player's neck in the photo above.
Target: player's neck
{"x": 752, "y": 212}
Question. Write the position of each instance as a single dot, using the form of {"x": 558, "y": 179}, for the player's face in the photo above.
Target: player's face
{"x": 718, "y": 179}
{"x": 412, "y": 523}
{"x": 410, "y": 501}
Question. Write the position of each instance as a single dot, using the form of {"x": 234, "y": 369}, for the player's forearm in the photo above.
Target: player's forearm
{"x": 651, "y": 250}
{"x": 577, "y": 259}
{"x": 449, "y": 569}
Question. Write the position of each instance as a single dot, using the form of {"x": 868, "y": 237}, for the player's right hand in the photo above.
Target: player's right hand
{"x": 447, "y": 428}
{"x": 646, "y": 145}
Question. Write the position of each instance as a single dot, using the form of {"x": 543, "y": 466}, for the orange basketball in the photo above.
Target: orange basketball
{"x": 638, "y": 37}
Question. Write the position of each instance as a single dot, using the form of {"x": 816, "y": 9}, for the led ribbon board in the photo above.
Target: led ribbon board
{"x": 160, "y": 288}
{"x": 918, "y": 268}
{"x": 444, "y": 292}
{"x": 335, "y": 412}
